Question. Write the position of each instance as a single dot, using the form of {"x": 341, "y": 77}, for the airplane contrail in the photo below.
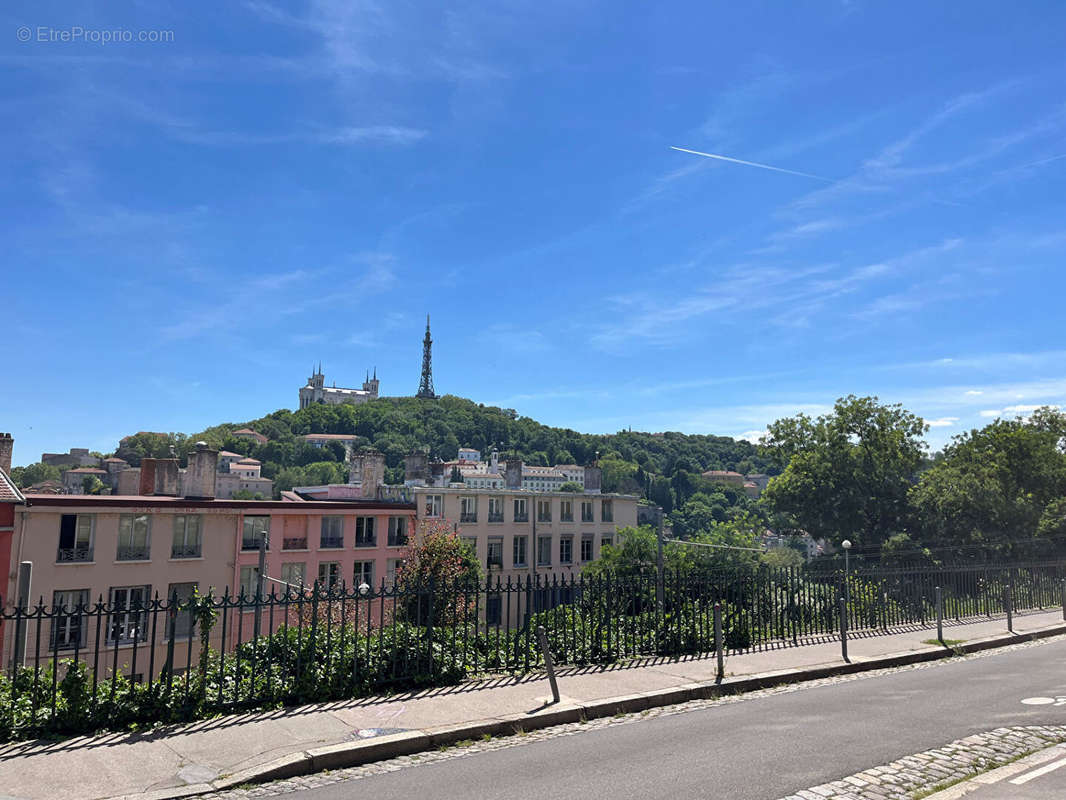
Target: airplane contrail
{"x": 753, "y": 164}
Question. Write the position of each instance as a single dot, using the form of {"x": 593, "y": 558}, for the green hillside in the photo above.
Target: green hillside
{"x": 659, "y": 465}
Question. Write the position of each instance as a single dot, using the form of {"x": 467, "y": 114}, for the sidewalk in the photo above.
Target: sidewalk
{"x": 227, "y": 751}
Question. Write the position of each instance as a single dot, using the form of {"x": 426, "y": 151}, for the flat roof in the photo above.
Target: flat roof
{"x": 125, "y": 501}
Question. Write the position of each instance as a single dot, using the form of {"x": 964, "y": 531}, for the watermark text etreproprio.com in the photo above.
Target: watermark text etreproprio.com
{"x": 47, "y": 34}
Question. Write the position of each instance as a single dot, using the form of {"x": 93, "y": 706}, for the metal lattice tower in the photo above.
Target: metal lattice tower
{"x": 425, "y": 386}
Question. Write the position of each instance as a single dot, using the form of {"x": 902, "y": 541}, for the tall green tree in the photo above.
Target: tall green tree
{"x": 848, "y": 472}
{"x": 998, "y": 486}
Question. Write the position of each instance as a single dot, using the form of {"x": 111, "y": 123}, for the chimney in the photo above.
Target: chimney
{"x": 166, "y": 476}
{"x": 147, "y": 484}
{"x": 129, "y": 481}
{"x": 414, "y": 468}
{"x": 200, "y": 475}
{"x": 593, "y": 479}
{"x": 7, "y": 444}
{"x": 513, "y": 473}
{"x": 436, "y": 473}
{"x": 373, "y": 473}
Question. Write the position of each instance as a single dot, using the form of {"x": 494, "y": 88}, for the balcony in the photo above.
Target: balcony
{"x": 496, "y": 517}
{"x": 397, "y": 541}
{"x": 467, "y": 516}
{"x": 132, "y": 554}
{"x": 521, "y": 517}
{"x": 331, "y": 543}
{"x": 363, "y": 541}
{"x": 294, "y": 543}
{"x": 73, "y": 555}
{"x": 185, "y": 551}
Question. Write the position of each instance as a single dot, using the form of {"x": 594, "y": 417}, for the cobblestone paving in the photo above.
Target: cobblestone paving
{"x": 951, "y": 763}
{"x": 896, "y": 781}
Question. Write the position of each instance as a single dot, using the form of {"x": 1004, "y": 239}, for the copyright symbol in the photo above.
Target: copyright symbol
{"x": 23, "y": 33}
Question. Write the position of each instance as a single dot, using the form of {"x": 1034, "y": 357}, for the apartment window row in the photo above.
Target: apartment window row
{"x": 331, "y": 534}
{"x": 128, "y": 621}
{"x": 520, "y": 549}
{"x": 468, "y": 509}
{"x": 77, "y": 534}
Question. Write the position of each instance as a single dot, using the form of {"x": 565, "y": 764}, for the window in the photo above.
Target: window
{"x": 494, "y": 557}
{"x": 605, "y": 541}
{"x": 544, "y": 551}
{"x": 495, "y": 509}
{"x": 493, "y": 605}
{"x": 566, "y": 511}
{"x": 293, "y": 576}
{"x": 294, "y": 543}
{"x": 133, "y": 537}
{"x": 521, "y": 513}
{"x": 586, "y": 511}
{"x": 566, "y": 550}
{"x": 544, "y": 511}
{"x": 329, "y": 575}
{"x": 129, "y": 615}
{"x": 364, "y": 573}
{"x": 468, "y": 509}
{"x": 606, "y": 511}
{"x": 392, "y": 569}
{"x": 255, "y": 529}
{"x": 365, "y": 535}
{"x": 249, "y": 582}
{"x": 586, "y": 548}
{"x": 520, "y": 551}
{"x": 397, "y": 532}
{"x": 181, "y": 620}
{"x": 75, "y": 538}
{"x": 69, "y": 606}
{"x": 186, "y": 542}
{"x": 332, "y": 533}
{"x": 434, "y": 504}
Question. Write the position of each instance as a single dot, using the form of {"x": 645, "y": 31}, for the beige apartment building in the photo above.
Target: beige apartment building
{"x": 521, "y": 533}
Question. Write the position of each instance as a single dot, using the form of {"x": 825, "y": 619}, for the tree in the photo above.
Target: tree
{"x": 91, "y": 484}
{"x": 457, "y": 476}
{"x": 998, "y": 486}
{"x": 437, "y": 561}
{"x": 848, "y": 472}
{"x": 572, "y": 486}
{"x": 34, "y": 473}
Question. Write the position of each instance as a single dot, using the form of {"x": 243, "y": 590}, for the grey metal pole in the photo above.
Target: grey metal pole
{"x": 22, "y": 613}
{"x": 939, "y": 616}
{"x": 260, "y": 579}
{"x": 844, "y": 629}
{"x": 661, "y": 574}
{"x": 719, "y": 645}
{"x": 1064, "y": 598}
{"x": 549, "y": 663}
{"x": 1008, "y": 603}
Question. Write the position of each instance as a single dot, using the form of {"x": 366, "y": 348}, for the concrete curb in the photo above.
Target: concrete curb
{"x": 352, "y": 754}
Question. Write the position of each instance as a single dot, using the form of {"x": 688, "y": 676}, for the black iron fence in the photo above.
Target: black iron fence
{"x": 76, "y": 664}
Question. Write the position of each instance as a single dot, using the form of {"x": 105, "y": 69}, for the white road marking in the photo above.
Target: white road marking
{"x": 1038, "y": 701}
{"x": 1036, "y": 773}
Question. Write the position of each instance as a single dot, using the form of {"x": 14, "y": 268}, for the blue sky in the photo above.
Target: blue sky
{"x": 190, "y": 224}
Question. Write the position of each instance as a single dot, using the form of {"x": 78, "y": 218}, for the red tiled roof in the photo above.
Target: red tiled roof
{"x": 248, "y": 430}
{"x": 337, "y": 436}
{"x": 9, "y": 492}
{"x": 87, "y": 471}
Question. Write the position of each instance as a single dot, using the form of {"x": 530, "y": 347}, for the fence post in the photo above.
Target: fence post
{"x": 719, "y": 644}
{"x": 1063, "y": 582}
{"x": 549, "y": 664}
{"x": 1008, "y": 605}
{"x": 939, "y": 615}
{"x": 844, "y": 629}
{"x": 260, "y": 578}
{"x": 21, "y": 613}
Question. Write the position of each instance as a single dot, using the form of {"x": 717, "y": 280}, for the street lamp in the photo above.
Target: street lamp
{"x": 364, "y": 588}
{"x": 846, "y": 544}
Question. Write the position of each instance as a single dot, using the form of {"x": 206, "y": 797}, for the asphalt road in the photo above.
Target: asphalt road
{"x": 761, "y": 748}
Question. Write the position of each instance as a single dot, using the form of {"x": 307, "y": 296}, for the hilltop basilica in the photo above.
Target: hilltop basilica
{"x": 316, "y": 391}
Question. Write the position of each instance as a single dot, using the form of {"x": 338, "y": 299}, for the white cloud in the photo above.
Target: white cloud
{"x": 751, "y": 436}
{"x": 991, "y": 412}
{"x": 943, "y": 422}
{"x": 973, "y": 392}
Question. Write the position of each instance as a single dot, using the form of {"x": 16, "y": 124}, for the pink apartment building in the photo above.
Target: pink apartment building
{"x": 127, "y": 550}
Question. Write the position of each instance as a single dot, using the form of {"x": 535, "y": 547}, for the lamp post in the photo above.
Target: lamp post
{"x": 846, "y": 544}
